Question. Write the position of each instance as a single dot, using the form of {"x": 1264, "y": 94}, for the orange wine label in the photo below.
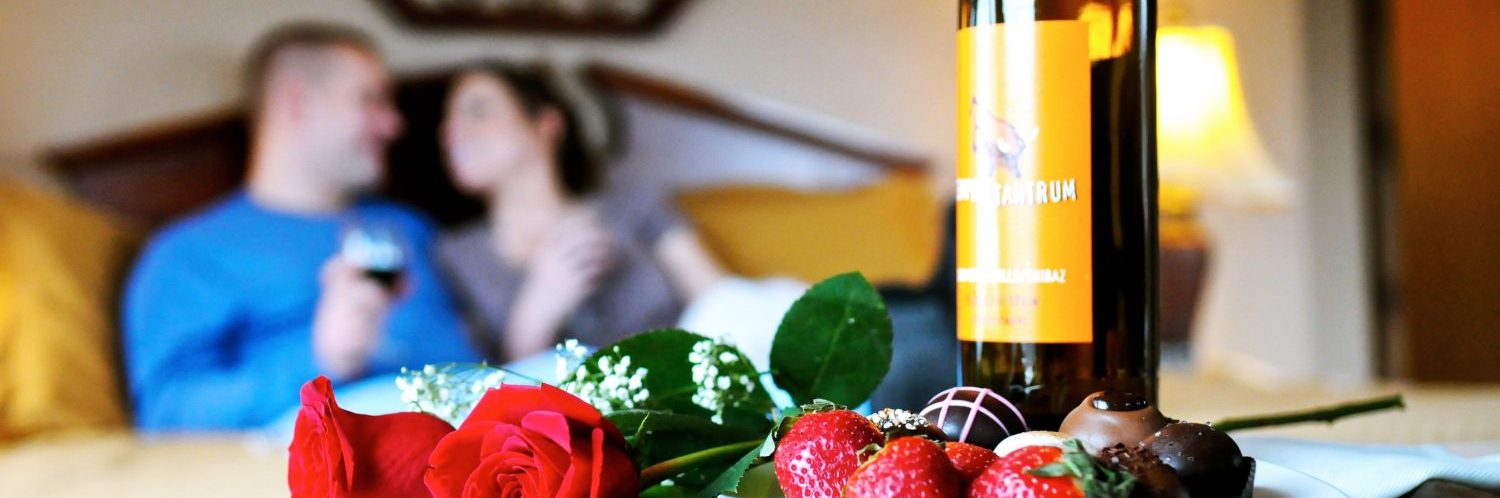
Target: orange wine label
{"x": 1025, "y": 257}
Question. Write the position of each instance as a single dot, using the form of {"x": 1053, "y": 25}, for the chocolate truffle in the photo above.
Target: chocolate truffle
{"x": 1208, "y": 460}
{"x": 974, "y": 415}
{"x": 1108, "y": 418}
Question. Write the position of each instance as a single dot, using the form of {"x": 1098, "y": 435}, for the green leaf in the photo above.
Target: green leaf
{"x": 650, "y": 421}
{"x": 834, "y": 343}
{"x": 668, "y": 424}
{"x": 1098, "y": 479}
{"x": 665, "y": 491}
{"x": 669, "y": 378}
{"x": 822, "y": 405}
{"x": 729, "y": 480}
{"x": 659, "y": 436}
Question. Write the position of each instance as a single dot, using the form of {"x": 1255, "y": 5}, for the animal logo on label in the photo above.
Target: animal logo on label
{"x": 996, "y": 141}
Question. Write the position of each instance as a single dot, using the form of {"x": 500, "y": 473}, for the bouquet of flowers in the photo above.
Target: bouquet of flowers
{"x": 665, "y": 413}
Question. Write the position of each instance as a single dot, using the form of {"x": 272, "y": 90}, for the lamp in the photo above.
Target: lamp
{"x": 1208, "y": 147}
{"x": 1208, "y": 151}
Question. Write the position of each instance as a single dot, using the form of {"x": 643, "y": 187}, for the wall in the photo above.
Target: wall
{"x": 77, "y": 69}
{"x": 1289, "y": 298}
{"x": 1344, "y": 296}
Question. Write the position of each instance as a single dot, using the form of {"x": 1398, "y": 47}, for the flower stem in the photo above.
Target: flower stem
{"x": 1326, "y": 414}
{"x": 664, "y": 470}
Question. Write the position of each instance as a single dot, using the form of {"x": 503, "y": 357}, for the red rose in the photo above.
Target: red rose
{"x": 336, "y": 453}
{"x": 525, "y": 441}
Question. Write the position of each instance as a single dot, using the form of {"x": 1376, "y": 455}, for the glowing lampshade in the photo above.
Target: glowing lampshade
{"x": 1208, "y": 148}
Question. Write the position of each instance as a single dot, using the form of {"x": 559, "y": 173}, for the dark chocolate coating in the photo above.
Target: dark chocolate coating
{"x": 974, "y": 415}
{"x": 1208, "y": 460}
{"x": 1105, "y": 419}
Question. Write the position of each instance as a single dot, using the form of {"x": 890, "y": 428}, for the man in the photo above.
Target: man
{"x": 229, "y": 311}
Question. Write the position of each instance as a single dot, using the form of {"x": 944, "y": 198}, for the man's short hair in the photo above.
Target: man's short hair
{"x": 298, "y": 46}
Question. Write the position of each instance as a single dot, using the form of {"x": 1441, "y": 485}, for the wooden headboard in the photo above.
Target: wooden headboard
{"x": 162, "y": 171}
{"x": 159, "y": 172}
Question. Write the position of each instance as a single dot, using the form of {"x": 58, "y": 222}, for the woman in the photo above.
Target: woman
{"x": 552, "y": 259}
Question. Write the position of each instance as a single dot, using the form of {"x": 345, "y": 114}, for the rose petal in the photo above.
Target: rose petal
{"x": 318, "y": 463}
{"x": 537, "y": 441}
{"x": 570, "y": 406}
{"x": 549, "y": 449}
{"x": 554, "y": 426}
{"x": 505, "y": 405}
{"x": 494, "y": 477}
{"x": 543, "y": 458}
{"x": 307, "y": 472}
{"x": 614, "y": 474}
{"x": 340, "y": 453}
{"x": 455, "y": 459}
{"x": 392, "y": 452}
{"x": 510, "y": 403}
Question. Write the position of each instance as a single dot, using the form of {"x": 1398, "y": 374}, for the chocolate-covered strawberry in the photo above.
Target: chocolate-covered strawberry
{"x": 1154, "y": 479}
{"x": 897, "y": 423}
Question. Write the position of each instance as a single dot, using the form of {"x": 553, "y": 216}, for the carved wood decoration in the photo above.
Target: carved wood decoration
{"x": 578, "y": 17}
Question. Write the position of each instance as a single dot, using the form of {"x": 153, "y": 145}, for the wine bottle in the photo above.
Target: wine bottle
{"x": 1056, "y": 201}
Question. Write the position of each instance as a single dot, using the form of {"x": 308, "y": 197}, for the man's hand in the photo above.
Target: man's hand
{"x": 350, "y": 319}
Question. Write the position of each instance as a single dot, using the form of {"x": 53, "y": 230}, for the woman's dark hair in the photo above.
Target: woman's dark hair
{"x": 535, "y": 90}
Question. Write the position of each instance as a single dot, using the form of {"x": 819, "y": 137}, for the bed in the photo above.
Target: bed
{"x": 739, "y": 168}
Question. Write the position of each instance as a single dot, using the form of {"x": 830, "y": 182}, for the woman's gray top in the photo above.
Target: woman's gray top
{"x": 635, "y": 296}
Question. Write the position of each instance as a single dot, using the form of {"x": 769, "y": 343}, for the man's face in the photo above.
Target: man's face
{"x": 349, "y": 120}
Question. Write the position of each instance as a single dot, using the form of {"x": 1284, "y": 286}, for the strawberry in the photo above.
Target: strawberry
{"x": 907, "y": 467}
{"x": 970, "y": 460}
{"x": 821, "y": 450}
{"x": 1049, "y": 472}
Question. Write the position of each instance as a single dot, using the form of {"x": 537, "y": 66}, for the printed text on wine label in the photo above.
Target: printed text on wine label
{"x": 988, "y": 193}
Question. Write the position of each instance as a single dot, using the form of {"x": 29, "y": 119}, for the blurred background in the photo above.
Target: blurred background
{"x": 1336, "y": 226}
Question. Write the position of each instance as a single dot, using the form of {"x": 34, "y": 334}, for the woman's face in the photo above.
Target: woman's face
{"x": 487, "y": 135}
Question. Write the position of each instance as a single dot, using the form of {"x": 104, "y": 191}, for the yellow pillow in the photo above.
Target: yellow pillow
{"x": 61, "y": 265}
{"x": 889, "y": 230}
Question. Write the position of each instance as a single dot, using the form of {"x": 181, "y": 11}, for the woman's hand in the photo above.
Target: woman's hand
{"x": 564, "y": 272}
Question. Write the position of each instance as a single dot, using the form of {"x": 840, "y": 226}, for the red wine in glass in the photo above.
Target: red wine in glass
{"x": 378, "y": 251}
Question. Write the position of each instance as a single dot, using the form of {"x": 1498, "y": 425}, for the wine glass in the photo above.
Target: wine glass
{"x": 378, "y": 249}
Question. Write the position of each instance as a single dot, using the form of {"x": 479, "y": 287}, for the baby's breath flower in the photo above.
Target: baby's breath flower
{"x": 569, "y": 356}
{"x": 611, "y": 383}
{"x": 447, "y": 391}
{"x": 718, "y": 391}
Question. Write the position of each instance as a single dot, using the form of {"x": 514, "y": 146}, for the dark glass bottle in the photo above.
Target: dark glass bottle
{"x": 1057, "y": 246}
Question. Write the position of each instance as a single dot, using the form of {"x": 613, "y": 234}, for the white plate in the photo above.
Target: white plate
{"x": 1275, "y": 481}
